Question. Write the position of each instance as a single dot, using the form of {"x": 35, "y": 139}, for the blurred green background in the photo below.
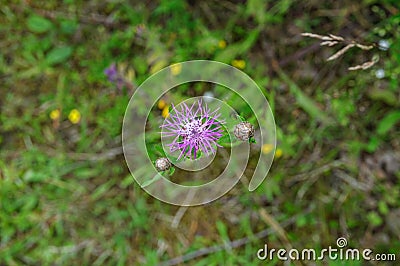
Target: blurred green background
{"x": 66, "y": 195}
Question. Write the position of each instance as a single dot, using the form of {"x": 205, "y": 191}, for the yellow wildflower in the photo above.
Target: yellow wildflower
{"x": 241, "y": 64}
{"x": 131, "y": 74}
{"x": 278, "y": 153}
{"x": 222, "y": 44}
{"x": 267, "y": 148}
{"x": 165, "y": 112}
{"x": 74, "y": 116}
{"x": 158, "y": 65}
{"x": 122, "y": 67}
{"x": 176, "y": 69}
{"x": 55, "y": 114}
{"x": 161, "y": 104}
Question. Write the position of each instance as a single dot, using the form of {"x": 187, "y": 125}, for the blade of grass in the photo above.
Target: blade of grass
{"x": 305, "y": 102}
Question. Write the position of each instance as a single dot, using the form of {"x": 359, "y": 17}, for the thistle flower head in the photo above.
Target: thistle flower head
{"x": 114, "y": 76}
{"x": 244, "y": 131}
{"x": 112, "y": 73}
{"x": 194, "y": 129}
{"x": 162, "y": 164}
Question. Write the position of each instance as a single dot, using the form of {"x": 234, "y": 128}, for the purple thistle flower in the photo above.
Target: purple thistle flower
{"x": 114, "y": 76}
{"x": 194, "y": 129}
{"x": 111, "y": 72}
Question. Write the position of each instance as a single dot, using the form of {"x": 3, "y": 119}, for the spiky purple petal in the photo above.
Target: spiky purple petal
{"x": 194, "y": 130}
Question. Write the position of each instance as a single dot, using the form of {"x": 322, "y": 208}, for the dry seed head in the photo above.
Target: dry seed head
{"x": 243, "y": 131}
{"x": 364, "y": 66}
{"x": 332, "y": 40}
{"x": 340, "y": 52}
{"x": 329, "y": 43}
{"x": 162, "y": 164}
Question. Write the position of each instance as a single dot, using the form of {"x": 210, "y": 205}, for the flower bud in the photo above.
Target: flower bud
{"x": 162, "y": 164}
{"x": 243, "y": 131}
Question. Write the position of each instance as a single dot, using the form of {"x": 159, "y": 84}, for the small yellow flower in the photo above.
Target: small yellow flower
{"x": 222, "y": 44}
{"x": 267, "y": 148}
{"x": 74, "y": 116}
{"x": 241, "y": 64}
{"x": 176, "y": 69}
{"x": 278, "y": 153}
{"x": 122, "y": 67}
{"x": 165, "y": 112}
{"x": 55, "y": 114}
{"x": 161, "y": 104}
{"x": 131, "y": 74}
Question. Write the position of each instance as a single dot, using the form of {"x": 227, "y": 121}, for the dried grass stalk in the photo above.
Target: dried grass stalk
{"x": 332, "y": 40}
{"x": 329, "y": 43}
{"x": 364, "y": 66}
{"x": 364, "y": 47}
{"x": 338, "y": 38}
{"x": 340, "y": 52}
{"x": 312, "y": 35}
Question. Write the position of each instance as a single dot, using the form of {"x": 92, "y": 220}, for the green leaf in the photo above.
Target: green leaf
{"x": 102, "y": 189}
{"x": 241, "y": 118}
{"x": 171, "y": 171}
{"x": 256, "y": 8}
{"x": 58, "y": 55}
{"x": 383, "y": 208}
{"x": 151, "y": 181}
{"x": 68, "y": 26}
{"x": 385, "y": 96}
{"x": 234, "y": 50}
{"x": 225, "y": 140}
{"x": 373, "y": 144}
{"x": 38, "y": 24}
{"x": 374, "y": 219}
{"x": 127, "y": 181}
{"x": 222, "y": 230}
{"x": 304, "y": 101}
{"x": 388, "y": 122}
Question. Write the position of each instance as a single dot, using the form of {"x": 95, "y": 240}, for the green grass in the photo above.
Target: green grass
{"x": 66, "y": 195}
